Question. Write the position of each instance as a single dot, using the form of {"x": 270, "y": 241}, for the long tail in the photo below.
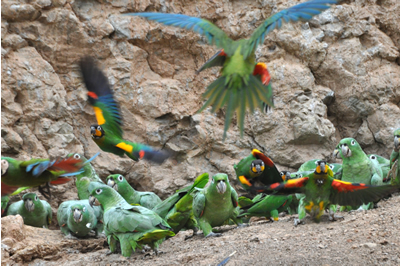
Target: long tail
{"x": 137, "y": 151}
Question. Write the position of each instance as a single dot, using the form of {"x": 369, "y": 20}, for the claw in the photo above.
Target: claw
{"x": 214, "y": 234}
{"x": 297, "y": 222}
{"x": 242, "y": 226}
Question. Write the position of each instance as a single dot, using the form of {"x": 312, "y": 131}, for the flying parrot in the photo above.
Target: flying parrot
{"x": 132, "y": 226}
{"x": 216, "y": 204}
{"x": 146, "y": 199}
{"x": 322, "y": 191}
{"x": 78, "y": 218}
{"x": 107, "y": 134}
{"x": 36, "y": 172}
{"x": 237, "y": 87}
{"x": 255, "y": 169}
{"x": 177, "y": 209}
{"x": 34, "y": 211}
{"x": 84, "y": 178}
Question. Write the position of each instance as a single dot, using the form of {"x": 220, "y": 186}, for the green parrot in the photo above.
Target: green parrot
{"x": 36, "y": 172}
{"x": 216, "y": 204}
{"x": 34, "y": 211}
{"x": 256, "y": 169}
{"x": 311, "y": 164}
{"x": 83, "y": 179}
{"x": 78, "y": 218}
{"x": 177, "y": 209}
{"x": 107, "y": 134}
{"x": 384, "y": 165}
{"x": 267, "y": 206}
{"x": 146, "y": 199}
{"x": 356, "y": 165}
{"x": 323, "y": 192}
{"x": 395, "y": 153}
{"x": 4, "y": 203}
{"x": 237, "y": 87}
{"x": 132, "y": 226}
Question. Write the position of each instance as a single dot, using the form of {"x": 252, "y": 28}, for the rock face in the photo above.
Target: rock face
{"x": 334, "y": 77}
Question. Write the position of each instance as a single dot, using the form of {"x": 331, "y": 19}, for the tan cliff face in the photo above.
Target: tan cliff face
{"x": 334, "y": 77}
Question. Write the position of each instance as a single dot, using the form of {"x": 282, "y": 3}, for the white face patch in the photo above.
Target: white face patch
{"x": 88, "y": 225}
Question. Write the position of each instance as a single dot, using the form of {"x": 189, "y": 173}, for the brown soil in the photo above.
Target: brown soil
{"x": 363, "y": 237}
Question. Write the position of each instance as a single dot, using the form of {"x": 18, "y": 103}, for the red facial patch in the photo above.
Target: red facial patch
{"x": 93, "y": 95}
{"x": 261, "y": 69}
{"x": 222, "y": 53}
{"x": 141, "y": 154}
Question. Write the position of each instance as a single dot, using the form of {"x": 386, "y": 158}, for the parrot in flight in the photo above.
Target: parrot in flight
{"x": 34, "y": 211}
{"x": 237, "y": 87}
{"x": 132, "y": 226}
{"x": 107, "y": 133}
{"x": 78, "y": 218}
{"x": 216, "y": 204}
{"x": 36, "y": 172}
{"x": 255, "y": 169}
{"x": 146, "y": 199}
{"x": 177, "y": 209}
{"x": 322, "y": 191}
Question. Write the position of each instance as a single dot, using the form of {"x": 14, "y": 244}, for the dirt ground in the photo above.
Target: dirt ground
{"x": 363, "y": 237}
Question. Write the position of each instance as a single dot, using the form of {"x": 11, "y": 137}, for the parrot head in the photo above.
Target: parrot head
{"x": 77, "y": 212}
{"x": 29, "y": 201}
{"x": 114, "y": 180}
{"x": 220, "y": 181}
{"x": 4, "y": 167}
{"x": 336, "y": 153}
{"x": 322, "y": 168}
{"x": 96, "y": 131}
{"x": 350, "y": 147}
{"x": 261, "y": 70}
{"x": 396, "y": 140}
{"x": 285, "y": 175}
{"x": 101, "y": 194}
{"x": 257, "y": 166}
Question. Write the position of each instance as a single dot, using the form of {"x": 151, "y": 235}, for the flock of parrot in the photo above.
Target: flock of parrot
{"x": 132, "y": 219}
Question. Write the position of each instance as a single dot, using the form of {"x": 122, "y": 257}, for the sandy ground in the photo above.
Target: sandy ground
{"x": 362, "y": 237}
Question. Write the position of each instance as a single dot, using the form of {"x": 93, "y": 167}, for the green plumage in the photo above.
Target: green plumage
{"x": 132, "y": 226}
{"x": 78, "y": 218}
{"x": 216, "y": 204}
{"x": 311, "y": 164}
{"x": 395, "y": 159}
{"x": 177, "y": 209}
{"x": 34, "y": 211}
{"x": 4, "y": 203}
{"x": 146, "y": 199}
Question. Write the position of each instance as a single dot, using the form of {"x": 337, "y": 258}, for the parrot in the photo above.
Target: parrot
{"x": 395, "y": 153}
{"x": 384, "y": 164}
{"x": 132, "y": 226}
{"x": 177, "y": 209}
{"x": 78, "y": 218}
{"x": 311, "y": 164}
{"x": 356, "y": 166}
{"x": 107, "y": 133}
{"x": 146, "y": 199}
{"x": 237, "y": 87}
{"x": 267, "y": 206}
{"x": 256, "y": 168}
{"x": 83, "y": 179}
{"x": 36, "y": 172}
{"x": 322, "y": 191}
{"x": 4, "y": 203}
{"x": 34, "y": 211}
{"x": 216, "y": 204}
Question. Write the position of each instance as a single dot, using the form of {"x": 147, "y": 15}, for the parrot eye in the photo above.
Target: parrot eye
{"x": 331, "y": 166}
{"x": 299, "y": 175}
{"x": 252, "y": 165}
{"x": 99, "y": 128}
{"x": 36, "y": 198}
{"x": 373, "y": 157}
{"x": 212, "y": 180}
{"x": 84, "y": 209}
{"x": 77, "y": 156}
{"x": 98, "y": 191}
{"x": 120, "y": 178}
{"x": 262, "y": 164}
{"x": 353, "y": 142}
{"x": 282, "y": 173}
{"x": 316, "y": 162}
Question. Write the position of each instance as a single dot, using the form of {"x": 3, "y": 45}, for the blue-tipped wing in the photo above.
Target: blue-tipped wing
{"x": 213, "y": 34}
{"x": 301, "y": 12}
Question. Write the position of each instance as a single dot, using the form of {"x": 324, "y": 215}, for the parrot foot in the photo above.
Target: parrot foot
{"x": 69, "y": 236}
{"x": 298, "y": 221}
{"x": 213, "y": 234}
{"x": 157, "y": 252}
{"x": 109, "y": 252}
{"x": 45, "y": 191}
{"x": 335, "y": 217}
{"x": 242, "y": 226}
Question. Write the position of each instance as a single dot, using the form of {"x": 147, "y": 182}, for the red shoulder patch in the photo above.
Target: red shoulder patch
{"x": 259, "y": 155}
{"x": 343, "y": 186}
{"x": 93, "y": 95}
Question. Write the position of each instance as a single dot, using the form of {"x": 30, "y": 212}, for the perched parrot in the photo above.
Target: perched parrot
{"x": 267, "y": 206}
{"x": 237, "y": 87}
{"x": 177, "y": 209}
{"x": 88, "y": 175}
{"x": 384, "y": 164}
{"x": 216, "y": 204}
{"x": 395, "y": 153}
{"x": 146, "y": 199}
{"x": 322, "y": 191}
{"x": 132, "y": 226}
{"x": 78, "y": 218}
{"x": 107, "y": 134}
{"x": 357, "y": 167}
{"x": 34, "y": 211}
{"x": 36, "y": 172}
{"x": 255, "y": 169}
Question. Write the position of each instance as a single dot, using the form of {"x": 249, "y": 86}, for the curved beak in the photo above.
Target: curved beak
{"x": 396, "y": 144}
{"x": 221, "y": 187}
{"x": 93, "y": 131}
{"x": 346, "y": 151}
{"x": 29, "y": 206}
{"x": 4, "y": 167}
{"x": 111, "y": 183}
{"x": 93, "y": 201}
{"x": 258, "y": 168}
{"x": 77, "y": 215}
{"x": 335, "y": 154}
